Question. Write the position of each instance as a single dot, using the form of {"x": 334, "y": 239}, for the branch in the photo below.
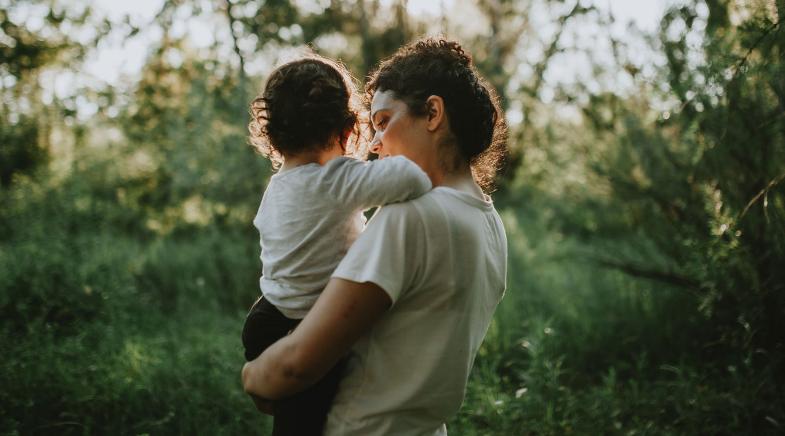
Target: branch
{"x": 760, "y": 194}
{"x": 651, "y": 274}
{"x": 754, "y": 45}
{"x": 232, "y": 20}
{"x": 553, "y": 47}
{"x": 365, "y": 39}
{"x": 164, "y": 15}
{"x": 738, "y": 67}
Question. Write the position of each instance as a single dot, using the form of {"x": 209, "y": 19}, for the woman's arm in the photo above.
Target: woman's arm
{"x": 344, "y": 312}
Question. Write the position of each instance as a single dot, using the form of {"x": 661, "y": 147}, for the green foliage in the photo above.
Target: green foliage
{"x": 25, "y": 122}
{"x": 128, "y": 274}
{"x": 141, "y": 330}
{"x": 20, "y": 152}
{"x": 575, "y": 349}
{"x": 23, "y": 52}
{"x": 171, "y": 375}
{"x": 671, "y": 241}
{"x": 697, "y": 192}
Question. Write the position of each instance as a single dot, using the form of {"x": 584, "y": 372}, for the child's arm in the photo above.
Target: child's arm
{"x": 368, "y": 184}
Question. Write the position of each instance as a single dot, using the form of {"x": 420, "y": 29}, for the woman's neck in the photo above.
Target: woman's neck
{"x": 460, "y": 180}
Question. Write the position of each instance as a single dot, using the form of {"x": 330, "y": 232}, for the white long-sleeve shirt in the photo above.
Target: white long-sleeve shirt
{"x": 310, "y": 215}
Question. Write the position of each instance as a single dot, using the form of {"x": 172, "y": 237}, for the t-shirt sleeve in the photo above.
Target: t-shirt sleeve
{"x": 359, "y": 184}
{"x": 389, "y": 252}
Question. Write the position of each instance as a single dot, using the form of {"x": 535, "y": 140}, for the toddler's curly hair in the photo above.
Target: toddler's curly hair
{"x": 304, "y": 106}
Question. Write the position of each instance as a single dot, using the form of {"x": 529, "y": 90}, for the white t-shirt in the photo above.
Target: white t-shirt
{"x": 442, "y": 258}
{"x": 310, "y": 215}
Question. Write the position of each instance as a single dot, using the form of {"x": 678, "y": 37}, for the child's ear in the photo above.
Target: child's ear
{"x": 436, "y": 114}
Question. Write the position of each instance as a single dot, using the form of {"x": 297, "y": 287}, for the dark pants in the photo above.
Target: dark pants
{"x": 302, "y": 414}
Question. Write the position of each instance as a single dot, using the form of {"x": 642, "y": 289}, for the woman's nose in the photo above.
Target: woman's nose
{"x": 376, "y": 143}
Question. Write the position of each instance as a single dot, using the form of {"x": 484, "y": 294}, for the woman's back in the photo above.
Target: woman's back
{"x": 442, "y": 260}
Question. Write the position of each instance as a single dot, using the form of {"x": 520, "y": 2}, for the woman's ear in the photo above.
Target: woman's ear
{"x": 346, "y": 133}
{"x": 436, "y": 113}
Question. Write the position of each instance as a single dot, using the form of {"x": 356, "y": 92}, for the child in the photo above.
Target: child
{"x": 311, "y": 211}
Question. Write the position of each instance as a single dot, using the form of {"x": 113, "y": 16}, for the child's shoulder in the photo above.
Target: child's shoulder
{"x": 341, "y": 165}
{"x": 342, "y": 161}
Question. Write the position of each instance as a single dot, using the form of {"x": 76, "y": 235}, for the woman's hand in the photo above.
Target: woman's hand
{"x": 262, "y": 404}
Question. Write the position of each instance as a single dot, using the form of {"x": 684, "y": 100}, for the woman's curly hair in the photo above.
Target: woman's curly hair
{"x": 304, "y": 106}
{"x": 436, "y": 66}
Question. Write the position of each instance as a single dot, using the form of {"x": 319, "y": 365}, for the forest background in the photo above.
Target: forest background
{"x": 643, "y": 201}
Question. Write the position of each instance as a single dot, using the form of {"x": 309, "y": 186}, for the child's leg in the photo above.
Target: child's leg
{"x": 263, "y": 326}
{"x": 305, "y": 413}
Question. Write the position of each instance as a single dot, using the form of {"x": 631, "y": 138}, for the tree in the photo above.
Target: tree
{"x": 25, "y": 122}
{"x": 692, "y": 198}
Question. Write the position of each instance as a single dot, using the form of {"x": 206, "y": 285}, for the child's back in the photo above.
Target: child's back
{"x": 311, "y": 214}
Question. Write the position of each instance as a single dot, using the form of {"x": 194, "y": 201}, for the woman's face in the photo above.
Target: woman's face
{"x": 397, "y": 131}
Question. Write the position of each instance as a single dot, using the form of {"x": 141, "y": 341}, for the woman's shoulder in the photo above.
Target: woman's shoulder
{"x": 434, "y": 212}
{"x": 441, "y": 202}
{"x": 423, "y": 211}
{"x": 406, "y": 211}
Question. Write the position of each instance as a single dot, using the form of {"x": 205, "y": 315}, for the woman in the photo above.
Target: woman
{"x": 415, "y": 294}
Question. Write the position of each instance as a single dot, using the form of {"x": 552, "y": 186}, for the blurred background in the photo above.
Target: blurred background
{"x": 643, "y": 201}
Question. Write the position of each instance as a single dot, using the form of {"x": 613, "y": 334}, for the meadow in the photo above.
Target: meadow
{"x": 109, "y": 328}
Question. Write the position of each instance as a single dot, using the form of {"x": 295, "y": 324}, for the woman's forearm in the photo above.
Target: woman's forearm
{"x": 345, "y": 311}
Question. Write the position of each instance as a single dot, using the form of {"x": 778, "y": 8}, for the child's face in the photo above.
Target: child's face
{"x": 397, "y": 131}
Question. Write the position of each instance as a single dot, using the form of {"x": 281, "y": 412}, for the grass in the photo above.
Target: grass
{"x": 109, "y": 328}
{"x": 111, "y": 331}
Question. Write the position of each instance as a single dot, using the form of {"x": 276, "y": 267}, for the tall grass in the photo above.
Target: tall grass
{"x": 109, "y": 327}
